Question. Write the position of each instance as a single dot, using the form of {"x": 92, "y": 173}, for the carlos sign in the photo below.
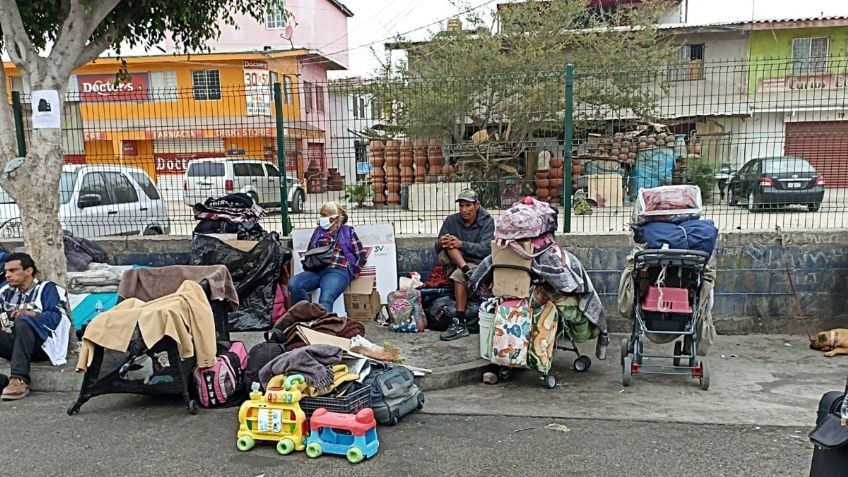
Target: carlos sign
{"x": 803, "y": 83}
{"x": 99, "y": 88}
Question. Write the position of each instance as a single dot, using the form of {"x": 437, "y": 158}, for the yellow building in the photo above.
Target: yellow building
{"x": 174, "y": 108}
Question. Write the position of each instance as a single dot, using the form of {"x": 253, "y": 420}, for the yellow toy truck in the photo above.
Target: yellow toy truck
{"x": 276, "y": 416}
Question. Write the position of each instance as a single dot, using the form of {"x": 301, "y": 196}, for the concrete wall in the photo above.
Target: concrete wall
{"x": 752, "y": 289}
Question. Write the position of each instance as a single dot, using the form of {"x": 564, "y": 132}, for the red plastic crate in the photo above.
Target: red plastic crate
{"x": 674, "y": 300}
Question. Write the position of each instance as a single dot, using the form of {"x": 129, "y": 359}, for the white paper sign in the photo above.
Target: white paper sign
{"x": 257, "y": 86}
{"x": 46, "y": 111}
{"x": 379, "y": 243}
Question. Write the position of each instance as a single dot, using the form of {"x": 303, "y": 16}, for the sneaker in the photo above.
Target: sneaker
{"x": 17, "y": 389}
{"x": 490, "y": 378}
{"x": 468, "y": 276}
{"x": 601, "y": 348}
{"x": 456, "y": 330}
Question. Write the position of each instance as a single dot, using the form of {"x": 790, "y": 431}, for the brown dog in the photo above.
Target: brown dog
{"x": 833, "y": 342}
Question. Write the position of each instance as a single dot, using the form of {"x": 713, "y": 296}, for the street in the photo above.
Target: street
{"x": 140, "y": 436}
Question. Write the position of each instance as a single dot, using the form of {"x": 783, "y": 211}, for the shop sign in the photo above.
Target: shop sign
{"x": 802, "y": 83}
{"x": 103, "y": 88}
{"x": 178, "y": 163}
{"x": 257, "y": 88}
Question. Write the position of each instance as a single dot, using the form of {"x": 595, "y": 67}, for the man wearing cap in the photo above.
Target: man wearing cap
{"x": 465, "y": 239}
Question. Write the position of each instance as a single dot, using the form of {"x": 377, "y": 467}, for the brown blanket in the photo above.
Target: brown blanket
{"x": 185, "y": 316}
{"x": 316, "y": 317}
{"x": 148, "y": 284}
{"x": 300, "y": 312}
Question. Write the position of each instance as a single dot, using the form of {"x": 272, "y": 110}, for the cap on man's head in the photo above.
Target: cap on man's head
{"x": 467, "y": 195}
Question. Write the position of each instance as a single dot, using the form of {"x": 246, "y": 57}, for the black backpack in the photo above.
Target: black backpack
{"x": 262, "y": 354}
{"x": 394, "y": 393}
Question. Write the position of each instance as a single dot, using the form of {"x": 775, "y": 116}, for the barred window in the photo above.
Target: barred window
{"x": 688, "y": 63}
{"x": 809, "y": 55}
{"x": 206, "y": 84}
{"x": 276, "y": 18}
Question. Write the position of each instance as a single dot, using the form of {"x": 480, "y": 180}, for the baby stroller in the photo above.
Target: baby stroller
{"x": 667, "y": 288}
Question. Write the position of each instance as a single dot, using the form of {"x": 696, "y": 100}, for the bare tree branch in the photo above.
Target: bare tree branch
{"x": 93, "y": 49}
{"x": 80, "y": 23}
{"x": 17, "y": 43}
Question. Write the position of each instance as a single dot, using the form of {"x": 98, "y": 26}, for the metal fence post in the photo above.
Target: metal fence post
{"x": 281, "y": 159}
{"x": 566, "y": 147}
{"x": 17, "y": 110}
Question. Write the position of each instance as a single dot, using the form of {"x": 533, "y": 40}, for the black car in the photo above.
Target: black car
{"x": 776, "y": 182}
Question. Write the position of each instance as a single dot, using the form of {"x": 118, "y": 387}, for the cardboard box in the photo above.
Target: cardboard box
{"x": 361, "y": 300}
{"x": 511, "y": 282}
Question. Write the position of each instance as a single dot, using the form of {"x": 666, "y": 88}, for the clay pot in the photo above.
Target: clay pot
{"x": 542, "y": 174}
{"x": 631, "y": 155}
{"x": 543, "y": 194}
{"x": 448, "y": 171}
{"x": 577, "y": 169}
{"x": 643, "y": 144}
{"x": 615, "y": 152}
{"x": 392, "y": 161}
{"x": 556, "y": 173}
{"x": 622, "y": 157}
{"x": 556, "y": 162}
{"x": 557, "y": 184}
{"x": 543, "y": 183}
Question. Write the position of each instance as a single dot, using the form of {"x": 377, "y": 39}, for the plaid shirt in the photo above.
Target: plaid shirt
{"x": 339, "y": 259}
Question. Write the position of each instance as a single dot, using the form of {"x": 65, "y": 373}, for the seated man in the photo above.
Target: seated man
{"x": 465, "y": 239}
{"x": 41, "y": 324}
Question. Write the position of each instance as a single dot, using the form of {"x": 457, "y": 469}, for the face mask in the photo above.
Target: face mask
{"x": 325, "y": 223}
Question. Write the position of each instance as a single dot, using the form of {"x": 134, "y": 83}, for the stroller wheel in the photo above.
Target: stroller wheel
{"x": 193, "y": 406}
{"x": 504, "y": 374}
{"x": 74, "y": 408}
{"x": 625, "y": 371}
{"x": 625, "y": 344}
{"x": 582, "y": 363}
{"x": 705, "y": 375}
{"x": 678, "y": 350}
{"x": 550, "y": 381}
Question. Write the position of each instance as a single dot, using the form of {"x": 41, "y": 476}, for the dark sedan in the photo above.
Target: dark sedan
{"x": 776, "y": 182}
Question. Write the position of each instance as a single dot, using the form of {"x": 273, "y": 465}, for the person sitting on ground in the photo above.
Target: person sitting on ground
{"x": 40, "y": 323}
{"x": 465, "y": 239}
{"x": 348, "y": 259}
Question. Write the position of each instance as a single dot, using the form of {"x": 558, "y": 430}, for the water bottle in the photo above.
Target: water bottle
{"x": 98, "y": 308}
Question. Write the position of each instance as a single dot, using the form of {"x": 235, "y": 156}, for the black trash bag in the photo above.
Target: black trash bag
{"x": 440, "y": 313}
{"x": 207, "y": 226}
{"x": 79, "y": 252}
{"x": 251, "y": 231}
{"x": 255, "y": 275}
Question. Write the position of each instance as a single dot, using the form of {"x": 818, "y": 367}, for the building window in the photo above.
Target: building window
{"x": 288, "y": 92}
{"x": 688, "y": 63}
{"x": 163, "y": 85}
{"x": 359, "y": 108}
{"x": 319, "y": 98}
{"x": 206, "y": 84}
{"x": 809, "y": 55}
{"x": 309, "y": 93}
{"x": 376, "y": 109}
{"x": 276, "y": 18}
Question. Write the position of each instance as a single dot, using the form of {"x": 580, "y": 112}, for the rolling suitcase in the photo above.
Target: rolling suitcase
{"x": 829, "y": 462}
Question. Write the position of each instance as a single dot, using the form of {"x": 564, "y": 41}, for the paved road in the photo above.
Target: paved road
{"x": 138, "y": 436}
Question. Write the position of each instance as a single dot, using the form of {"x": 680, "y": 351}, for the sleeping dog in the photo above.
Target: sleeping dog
{"x": 833, "y": 342}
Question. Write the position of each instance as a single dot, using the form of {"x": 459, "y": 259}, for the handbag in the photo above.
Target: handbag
{"x": 829, "y": 432}
{"x": 318, "y": 258}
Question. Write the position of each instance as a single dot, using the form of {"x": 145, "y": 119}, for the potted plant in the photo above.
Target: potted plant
{"x": 357, "y": 193}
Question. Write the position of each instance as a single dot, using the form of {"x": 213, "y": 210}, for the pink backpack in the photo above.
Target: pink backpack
{"x": 528, "y": 218}
{"x": 223, "y": 382}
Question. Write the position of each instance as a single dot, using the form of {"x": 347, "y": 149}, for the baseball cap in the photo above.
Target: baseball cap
{"x": 467, "y": 195}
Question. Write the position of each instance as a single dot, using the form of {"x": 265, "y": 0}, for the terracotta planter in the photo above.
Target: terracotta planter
{"x": 542, "y": 175}
{"x": 543, "y": 183}
{"x": 556, "y": 173}
{"x": 556, "y": 162}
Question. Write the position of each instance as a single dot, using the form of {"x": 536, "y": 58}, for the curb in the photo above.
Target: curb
{"x": 452, "y": 376}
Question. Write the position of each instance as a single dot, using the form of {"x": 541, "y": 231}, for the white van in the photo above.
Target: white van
{"x": 219, "y": 176}
{"x": 96, "y": 201}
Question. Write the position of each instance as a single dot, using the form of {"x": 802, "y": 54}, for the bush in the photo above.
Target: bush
{"x": 701, "y": 172}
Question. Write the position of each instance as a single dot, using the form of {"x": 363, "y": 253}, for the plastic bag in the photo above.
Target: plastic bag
{"x": 255, "y": 275}
{"x": 668, "y": 204}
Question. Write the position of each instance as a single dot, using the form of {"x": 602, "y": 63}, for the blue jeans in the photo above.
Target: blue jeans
{"x": 331, "y": 281}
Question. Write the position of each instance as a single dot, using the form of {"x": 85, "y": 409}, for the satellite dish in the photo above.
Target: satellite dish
{"x": 288, "y": 33}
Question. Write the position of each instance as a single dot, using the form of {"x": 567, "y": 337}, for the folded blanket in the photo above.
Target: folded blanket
{"x": 148, "y": 284}
{"x": 311, "y": 361}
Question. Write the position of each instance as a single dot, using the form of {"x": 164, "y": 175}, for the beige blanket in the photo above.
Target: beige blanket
{"x": 185, "y": 316}
{"x": 148, "y": 284}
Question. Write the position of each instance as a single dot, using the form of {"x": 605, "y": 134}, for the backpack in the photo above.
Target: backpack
{"x": 526, "y": 219}
{"x": 222, "y": 383}
{"x": 394, "y": 393}
{"x": 406, "y": 313}
{"x": 262, "y": 354}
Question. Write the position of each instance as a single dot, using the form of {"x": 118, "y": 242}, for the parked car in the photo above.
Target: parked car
{"x": 218, "y": 176}
{"x": 97, "y": 201}
{"x": 776, "y": 182}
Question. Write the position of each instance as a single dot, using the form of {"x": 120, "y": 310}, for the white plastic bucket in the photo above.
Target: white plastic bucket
{"x": 486, "y": 321}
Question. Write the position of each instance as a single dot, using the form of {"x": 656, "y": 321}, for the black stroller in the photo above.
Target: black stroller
{"x": 667, "y": 288}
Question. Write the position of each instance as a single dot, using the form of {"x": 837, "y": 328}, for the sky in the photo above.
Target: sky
{"x": 375, "y": 21}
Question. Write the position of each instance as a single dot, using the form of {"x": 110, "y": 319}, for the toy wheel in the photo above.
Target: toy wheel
{"x": 193, "y": 406}
{"x": 678, "y": 350}
{"x": 245, "y": 443}
{"x": 550, "y": 381}
{"x": 625, "y": 371}
{"x": 705, "y": 375}
{"x": 285, "y": 446}
{"x": 504, "y": 374}
{"x": 73, "y": 408}
{"x": 355, "y": 455}
{"x": 582, "y": 363}
{"x": 625, "y": 343}
{"x": 314, "y": 450}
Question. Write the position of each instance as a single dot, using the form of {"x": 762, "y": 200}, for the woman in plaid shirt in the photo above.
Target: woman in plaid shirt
{"x": 348, "y": 260}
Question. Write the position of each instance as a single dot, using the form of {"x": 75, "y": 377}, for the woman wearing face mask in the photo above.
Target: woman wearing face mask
{"x": 348, "y": 258}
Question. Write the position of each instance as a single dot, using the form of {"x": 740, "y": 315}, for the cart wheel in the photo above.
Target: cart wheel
{"x": 582, "y": 363}
{"x": 625, "y": 343}
{"x": 285, "y": 446}
{"x": 355, "y": 455}
{"x": 314, "y": 450}
{"x": 245, "y": 443}
{"x": 504, "y": 374}
{"x": 74, "y": 408}
{"x": 193, "y": 406}
{"x": 625, "y": 371}
{"x": 550, "y": 381}
{"x": 678, "y": 350}
{"x": 638, "y": 350}
{"x": 705, "y": 375}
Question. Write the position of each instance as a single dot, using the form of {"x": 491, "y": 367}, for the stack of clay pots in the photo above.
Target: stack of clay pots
{"x": 378, "y": 174}
{"x": 407, "y": 174}
{"x": 623, "y": 149}
{"x": 393, "y": 172}
{"x": 543, "y": 186}
{"x": 420, "y": 158}
{"x": 576, "y": 172}
{"x": 315, "y": 184}
{"x": 335, "y": 181}
{"x": 555, "y": 176}
{"x": 434, "y": 155}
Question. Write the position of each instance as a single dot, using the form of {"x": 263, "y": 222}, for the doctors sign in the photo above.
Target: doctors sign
{"x": 166, "y": 163}
{"x": 257, "y": 88}
{"x": 100, "y": 88}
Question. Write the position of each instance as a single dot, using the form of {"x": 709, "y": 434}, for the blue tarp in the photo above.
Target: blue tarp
{"x": 653, "y": 168}
{"x": 690, "y": 235}
{"x": 84, "y": 312}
